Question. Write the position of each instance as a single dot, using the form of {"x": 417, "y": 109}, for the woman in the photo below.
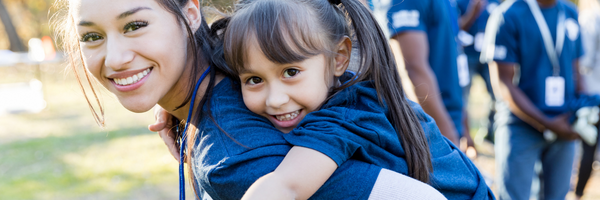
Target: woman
{"x": 151, "y": 52}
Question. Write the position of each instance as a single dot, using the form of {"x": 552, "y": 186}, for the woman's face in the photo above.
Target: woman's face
{"x": 135, "y": 48}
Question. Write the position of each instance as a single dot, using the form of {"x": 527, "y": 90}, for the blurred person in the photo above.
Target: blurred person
{"x": 149, "y": 52}
{"x": 589, "y": 18}
{"x": 426, "y": 32}
{"x": 476, "y": 13}
{"x": 535, "y": 46}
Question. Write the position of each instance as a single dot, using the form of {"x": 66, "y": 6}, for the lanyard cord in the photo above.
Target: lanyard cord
{"x": 553, "y": 52}
{"x": 182, "y": 144}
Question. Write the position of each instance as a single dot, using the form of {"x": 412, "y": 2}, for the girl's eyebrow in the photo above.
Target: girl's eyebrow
{"x": 121, "y": 16}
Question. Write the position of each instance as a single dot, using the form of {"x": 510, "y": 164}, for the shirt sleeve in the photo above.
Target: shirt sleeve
{"x": 326, "y": 131}
{"x": 506, "y": 49}
{"x": 589, "y": 38}
{"x": 406, "y": 16}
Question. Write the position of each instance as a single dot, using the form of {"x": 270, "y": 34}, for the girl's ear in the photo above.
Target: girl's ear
{"x": 342, "y": 58}
{"x": 193, "y": 15}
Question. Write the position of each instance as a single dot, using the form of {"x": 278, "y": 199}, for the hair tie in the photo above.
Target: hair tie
{"x": 335, "y": 2}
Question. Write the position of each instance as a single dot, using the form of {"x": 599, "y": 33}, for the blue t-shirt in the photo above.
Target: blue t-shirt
{"x": 478, "y": 27}
{"x": 519, "y": 41}
{"x": 434, "y": 17}
{"x": 353, "y": 125}
{"x": 225, "y": 169}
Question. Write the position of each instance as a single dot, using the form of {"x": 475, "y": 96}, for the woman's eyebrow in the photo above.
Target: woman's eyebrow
{"x": 121, "y": 16}
{"x": 131, "y": 12}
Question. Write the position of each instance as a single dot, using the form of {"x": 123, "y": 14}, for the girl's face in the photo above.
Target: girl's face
{"x": 135, "y": 48}
{"x": 284, "y": 93}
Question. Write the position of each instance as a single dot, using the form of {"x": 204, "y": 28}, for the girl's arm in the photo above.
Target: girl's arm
{"x": 301, "y": 173}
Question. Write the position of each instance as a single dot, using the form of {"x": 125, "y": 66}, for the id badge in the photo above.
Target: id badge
{"x": 555, "y": 91}
{"x": 463, "y": 70}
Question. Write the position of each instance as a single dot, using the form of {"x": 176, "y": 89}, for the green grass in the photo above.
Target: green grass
{"x": 60, "y": 153}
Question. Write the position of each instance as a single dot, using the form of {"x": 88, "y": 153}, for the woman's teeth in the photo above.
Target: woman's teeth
{"x": 132, "y": 79}
{"x": 288, "y": 117}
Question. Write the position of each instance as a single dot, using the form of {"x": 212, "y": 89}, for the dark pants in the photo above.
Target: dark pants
{"x": 585, "y": 166}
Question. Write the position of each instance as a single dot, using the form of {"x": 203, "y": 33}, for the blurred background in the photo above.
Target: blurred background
{"x": 51, "y": 147}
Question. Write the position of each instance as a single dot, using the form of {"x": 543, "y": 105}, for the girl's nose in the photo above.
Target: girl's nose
{"x": 118, "y": 54}
{"x": 277, "y": 97}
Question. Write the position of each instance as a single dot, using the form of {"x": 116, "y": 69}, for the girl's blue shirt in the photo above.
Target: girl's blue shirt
{"x": 354, "y": 125}
{"x": 224, "y": 169}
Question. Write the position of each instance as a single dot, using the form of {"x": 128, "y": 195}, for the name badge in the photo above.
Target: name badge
{"x": 555, "y": 91}
{"x": 463, "y": 70}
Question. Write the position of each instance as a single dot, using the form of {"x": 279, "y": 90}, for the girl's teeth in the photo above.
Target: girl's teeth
{"x": 287, "y": 117}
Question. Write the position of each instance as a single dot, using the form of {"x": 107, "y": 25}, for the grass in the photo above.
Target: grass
{"x": 60, "y": 153}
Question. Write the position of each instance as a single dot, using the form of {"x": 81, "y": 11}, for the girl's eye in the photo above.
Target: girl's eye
{"x": 254, "y": 80}
{"x": 135, "y": 25}
{"x": 90, "y": 37}
{"x": 290, "y": 72}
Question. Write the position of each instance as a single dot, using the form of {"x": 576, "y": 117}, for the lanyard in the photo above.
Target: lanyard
{"x": 184, "y": 138}
{"x": 553, "y": 51}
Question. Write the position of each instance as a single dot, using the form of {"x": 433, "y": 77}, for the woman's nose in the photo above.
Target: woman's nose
{"x": 118, "y": 54}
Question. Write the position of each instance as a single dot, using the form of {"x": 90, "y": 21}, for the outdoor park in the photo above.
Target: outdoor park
{"x": 51, "y": 147}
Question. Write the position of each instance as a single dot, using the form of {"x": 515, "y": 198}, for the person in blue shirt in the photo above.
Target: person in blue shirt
{"x": 477, "y": 13}
{"x": 426, "y": 32}
{"x": 535, "y": 46}
{"x": 365, "y": 116}
{"x": 149, "y": 52}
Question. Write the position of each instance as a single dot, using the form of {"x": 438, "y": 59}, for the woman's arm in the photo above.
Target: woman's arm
{"x": 301, "y": 173}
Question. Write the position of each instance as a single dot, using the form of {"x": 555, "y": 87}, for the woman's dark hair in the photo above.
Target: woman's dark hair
{"x": 290, "y": 31}
{"x": 205, "y": 47}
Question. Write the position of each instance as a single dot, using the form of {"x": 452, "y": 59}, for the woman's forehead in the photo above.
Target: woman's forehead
{"x": 108, "y": 8}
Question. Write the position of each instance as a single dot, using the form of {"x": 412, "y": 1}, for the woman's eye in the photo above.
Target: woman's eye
{"x": 254, "y": 80}
{"x": 90, "y": 37}
{"x": 132, "y": 26}
{"x": 290, "y": 72}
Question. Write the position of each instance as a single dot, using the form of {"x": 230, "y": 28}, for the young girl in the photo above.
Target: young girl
{"x": 149, "y": 52}
{"x": 291, "y": 57}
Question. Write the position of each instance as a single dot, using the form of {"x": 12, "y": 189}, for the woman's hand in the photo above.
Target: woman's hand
{"x": 164, "y": 126}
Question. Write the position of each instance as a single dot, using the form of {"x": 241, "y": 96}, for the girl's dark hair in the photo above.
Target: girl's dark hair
{"x": 290, "y": 31}
{"x": 205, "y": 47}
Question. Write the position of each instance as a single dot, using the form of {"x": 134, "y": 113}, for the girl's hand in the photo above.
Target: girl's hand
{"x": 164, "y": 126}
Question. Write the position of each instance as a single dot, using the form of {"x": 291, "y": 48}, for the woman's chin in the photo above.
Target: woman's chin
{"x": 138, "y": 107}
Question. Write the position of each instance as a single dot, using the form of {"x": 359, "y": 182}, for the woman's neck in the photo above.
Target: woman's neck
{"x": 176, "y": 99}
{"x": 546, "y": 3}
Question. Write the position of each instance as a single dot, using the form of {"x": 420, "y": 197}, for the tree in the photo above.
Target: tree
{"x": 15, "y": 42}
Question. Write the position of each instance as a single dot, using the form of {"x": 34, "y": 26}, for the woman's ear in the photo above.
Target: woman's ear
{"x": 342, "y": 58}
{"x": 193, "y": 15}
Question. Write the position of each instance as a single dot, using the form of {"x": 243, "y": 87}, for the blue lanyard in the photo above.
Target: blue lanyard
{"x": 184, "y": 138}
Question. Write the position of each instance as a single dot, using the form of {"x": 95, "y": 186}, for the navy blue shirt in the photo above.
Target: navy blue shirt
{"x": 478, "y": 27}
{"x": 434, "y": 17}
{"x": 353, "y": 125}
{"x": 226, "y": 164}
{"x": 519, "y": 41}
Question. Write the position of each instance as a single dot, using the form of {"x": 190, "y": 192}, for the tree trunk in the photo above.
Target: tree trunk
{"x": 15, "y": 42}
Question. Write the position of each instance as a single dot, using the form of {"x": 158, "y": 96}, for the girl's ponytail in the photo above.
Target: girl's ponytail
{"x": 377, "y": 64}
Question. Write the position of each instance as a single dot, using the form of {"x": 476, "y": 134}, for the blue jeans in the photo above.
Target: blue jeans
{"x": 518, "y": 146}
